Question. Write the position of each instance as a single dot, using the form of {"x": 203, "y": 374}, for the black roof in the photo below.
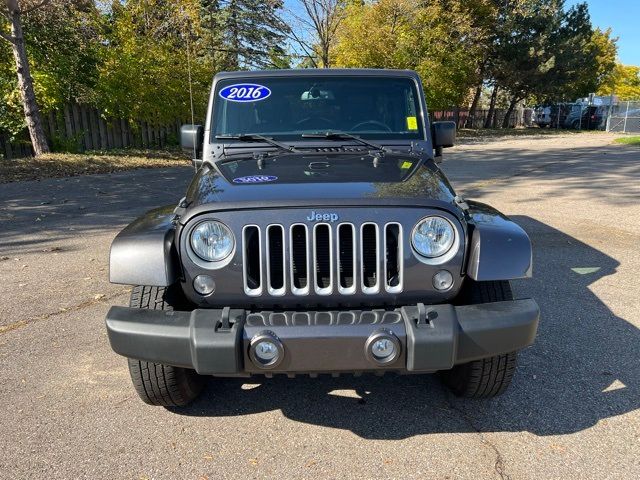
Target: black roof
{"x": 305, "y": 72}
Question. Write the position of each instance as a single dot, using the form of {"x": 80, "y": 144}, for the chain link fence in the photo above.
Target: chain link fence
{"x": 624, "y": 117}
{"x": 573, "y": 116}
{"x": 621, "y": 117}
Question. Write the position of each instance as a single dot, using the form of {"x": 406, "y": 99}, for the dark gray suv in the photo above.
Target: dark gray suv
{"x": 319, "y": 236}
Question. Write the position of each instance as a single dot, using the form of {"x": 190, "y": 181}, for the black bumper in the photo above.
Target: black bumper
{"x": 217, "y": 341}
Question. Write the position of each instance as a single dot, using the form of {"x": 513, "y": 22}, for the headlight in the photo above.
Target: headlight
{"x": 433, "y": 236}
{"x": 212, "y": 241}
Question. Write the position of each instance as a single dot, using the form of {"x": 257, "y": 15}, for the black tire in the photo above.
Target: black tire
{"x": 487, "y": 377}
{"x": 158, "y": 384}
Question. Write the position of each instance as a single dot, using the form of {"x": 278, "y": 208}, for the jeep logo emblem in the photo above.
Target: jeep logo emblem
{"x": 322, "y": 217}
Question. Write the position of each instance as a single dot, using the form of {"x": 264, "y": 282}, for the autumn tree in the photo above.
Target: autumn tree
{"x": 436, "y": 38}
{"x": 624, "y": 83}
{"x": 13, "y": 12}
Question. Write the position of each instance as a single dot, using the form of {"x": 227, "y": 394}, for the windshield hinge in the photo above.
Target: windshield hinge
{"x": 259, "y": 158}
{"x": 461, "y": 202}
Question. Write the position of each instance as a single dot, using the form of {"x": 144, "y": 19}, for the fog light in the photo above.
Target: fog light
{"x": 443, "y": 280}
{"x": 266, "y": 350}
{"x": 204, "y": 284}
{"x": 382, "y": 347}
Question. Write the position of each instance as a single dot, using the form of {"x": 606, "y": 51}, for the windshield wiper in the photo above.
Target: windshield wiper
{"x": 343, "y": 136}
{"x": 252, "y": 137}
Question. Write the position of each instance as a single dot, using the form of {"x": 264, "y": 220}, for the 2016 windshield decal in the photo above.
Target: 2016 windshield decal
{"x": 245, "y": 92}
{"x": 255, "y": 179}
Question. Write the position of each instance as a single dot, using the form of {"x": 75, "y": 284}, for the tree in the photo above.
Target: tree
{"x": 245, "y": 33}
{"x": 322, "y": 20}
{"x": 151, "y": 48}
{"x": 542, "y": 51}
{"x": 593, "y": 66}
{"x": 624, "y": 83}
{"x": 436, "y": 38}
{"x": 13, "y": 12}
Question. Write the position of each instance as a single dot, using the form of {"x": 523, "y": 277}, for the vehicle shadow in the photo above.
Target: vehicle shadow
{"x": 582, "y": 369}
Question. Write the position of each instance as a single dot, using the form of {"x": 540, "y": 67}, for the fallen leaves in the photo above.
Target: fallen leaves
{"x": 55, "y": 165}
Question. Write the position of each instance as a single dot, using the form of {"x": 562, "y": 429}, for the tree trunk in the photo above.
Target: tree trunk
{"x": 507, "y": 116}
{"x": 324, "y": 56}
{"x": 25, "y": 82}
{"x": 474, "y": 106}
{"x": 235, "y": 36}
{"x": 492, "y": 108}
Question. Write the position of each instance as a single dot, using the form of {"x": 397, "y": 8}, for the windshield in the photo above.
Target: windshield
{"x": 285, "y": 108}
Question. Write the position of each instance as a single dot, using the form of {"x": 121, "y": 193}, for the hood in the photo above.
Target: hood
{"x": 317, "y": 178}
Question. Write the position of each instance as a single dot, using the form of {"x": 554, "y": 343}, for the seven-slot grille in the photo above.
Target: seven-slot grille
{"x": 322, "y": 259}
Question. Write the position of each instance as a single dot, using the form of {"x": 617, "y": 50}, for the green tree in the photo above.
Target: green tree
{"x": 595, "y": 66}
{"x": 244, "y": 33}
{"x": 150, "y": 50}
{"x": 13, "y": 11}
{"x": 542, "y": 50}
{"x": 63, "y": 50}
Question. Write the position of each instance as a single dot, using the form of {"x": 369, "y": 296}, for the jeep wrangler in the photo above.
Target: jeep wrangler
{"x": 319, "y": 236}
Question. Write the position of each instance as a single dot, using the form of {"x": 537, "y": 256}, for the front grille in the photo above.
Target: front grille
{"x": 323, "y": 259}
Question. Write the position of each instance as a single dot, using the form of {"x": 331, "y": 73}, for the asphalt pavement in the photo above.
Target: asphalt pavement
{"x": 70, "y": 412}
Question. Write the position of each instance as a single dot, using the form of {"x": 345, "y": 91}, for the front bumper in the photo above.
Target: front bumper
{"x": 217, "y": 341}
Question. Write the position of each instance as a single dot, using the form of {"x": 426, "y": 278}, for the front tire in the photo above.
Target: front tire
{"x": 155, "y": 383}
{"x": 487, "y": 377}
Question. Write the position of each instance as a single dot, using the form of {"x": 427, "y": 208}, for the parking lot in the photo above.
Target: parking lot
{"x": 69, "y": 410}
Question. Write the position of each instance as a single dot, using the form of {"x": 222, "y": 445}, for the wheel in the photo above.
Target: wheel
{"x": 155, "y": 383}
{"x": 358, "y": 127}
{"x": 315, "y": 121}
{"x": 487, "y": 377}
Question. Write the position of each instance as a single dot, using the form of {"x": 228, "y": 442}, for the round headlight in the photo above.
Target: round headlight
{"x": 433, "y": 236}
{"x": 212, "y": 241}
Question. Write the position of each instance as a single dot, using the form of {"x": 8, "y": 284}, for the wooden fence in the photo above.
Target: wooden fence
{"x": 78, "y": 128}
{"x": 461, "y": 115}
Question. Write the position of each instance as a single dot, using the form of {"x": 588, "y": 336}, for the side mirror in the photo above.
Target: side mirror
{"x": 191, "y": 139}
{"x": 443, "y": 135}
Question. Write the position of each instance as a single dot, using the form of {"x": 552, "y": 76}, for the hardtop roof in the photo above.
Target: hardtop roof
{"x": 306, "y": 72}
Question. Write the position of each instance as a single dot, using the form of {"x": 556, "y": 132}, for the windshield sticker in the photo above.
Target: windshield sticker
{"x": 255, "y": 179}
{"x": 245, "y": 92}
{"x": 406, "y": 165}
{"x": 412, "y": 123}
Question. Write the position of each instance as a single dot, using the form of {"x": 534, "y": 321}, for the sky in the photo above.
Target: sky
{"x": 623, "y": 16}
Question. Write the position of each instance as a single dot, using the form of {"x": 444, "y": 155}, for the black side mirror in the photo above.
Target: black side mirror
{"x": 191, "y": 139}
{"x": 443, "y": 135}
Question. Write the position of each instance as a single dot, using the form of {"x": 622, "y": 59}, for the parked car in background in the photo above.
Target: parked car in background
{"x": 585, "y": 117}
{"x": 543, "y": 116}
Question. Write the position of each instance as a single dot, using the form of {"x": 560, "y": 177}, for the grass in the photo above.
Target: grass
{"x": 633, "y": 140}
{"x": 54, "y": 165}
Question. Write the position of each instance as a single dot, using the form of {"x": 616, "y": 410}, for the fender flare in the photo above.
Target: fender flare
{"x": 499, "y": 248}
{"x": 144, "y": 253}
